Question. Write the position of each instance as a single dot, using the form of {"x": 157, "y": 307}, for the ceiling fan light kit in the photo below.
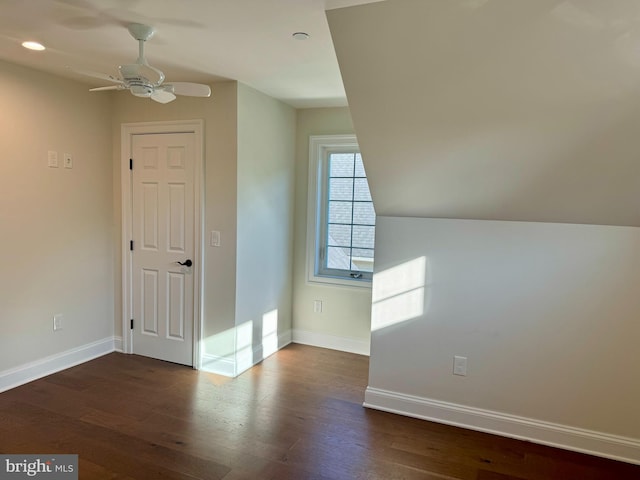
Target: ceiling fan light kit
{"x": 145, "y": 81}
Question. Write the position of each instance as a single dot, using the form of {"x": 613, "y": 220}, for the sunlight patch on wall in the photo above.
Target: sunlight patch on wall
{"x": 244, "y": 346}
{"x": 269, "y": 333}
{"x": 237, "y": 349}
{"x": 398, "y": 293}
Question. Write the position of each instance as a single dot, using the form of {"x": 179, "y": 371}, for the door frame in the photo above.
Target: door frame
{"x": 127, "y": 131}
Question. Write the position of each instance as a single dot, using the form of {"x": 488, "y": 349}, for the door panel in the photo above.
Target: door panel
{"x": 176, "y": 306}
{"x": 150, "y": 216}
{"x": 149, "y": 302}
{"x": 163, "y": 234}
{"x": 176, "y": 218}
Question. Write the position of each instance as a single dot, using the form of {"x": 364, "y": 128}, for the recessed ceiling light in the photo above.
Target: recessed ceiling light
{"x": 33, "y": 46}
{"x": 300, "y": 35}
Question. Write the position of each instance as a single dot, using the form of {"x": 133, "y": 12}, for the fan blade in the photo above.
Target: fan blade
{"x": 111, "y": 87}
{"x": 190, "y": 89}
{"x": 162, "y": 96}
{"x": 101, "y": 76}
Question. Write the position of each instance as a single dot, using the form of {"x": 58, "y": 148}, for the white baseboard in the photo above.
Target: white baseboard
{"x": 219, "y": 365}
{"x": 344, "y": 344}
{"x": 28, "y": 372}
{"x": 233, "y": 365}
{"x": 569, "y": 438}
{"x": 285, "y": 338}
{"x": 117, "y": 344}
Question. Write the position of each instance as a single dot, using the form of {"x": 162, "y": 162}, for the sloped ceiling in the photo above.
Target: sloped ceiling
{"x": 522, "y": 110}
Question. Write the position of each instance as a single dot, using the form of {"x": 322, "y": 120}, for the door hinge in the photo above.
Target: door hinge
{"x": 131, "y": 164}
{"x": 131, "y": 245}
{"x": 132, "y": 324}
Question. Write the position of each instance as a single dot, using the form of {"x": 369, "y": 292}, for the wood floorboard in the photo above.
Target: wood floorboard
{"x": 298, "y": 415}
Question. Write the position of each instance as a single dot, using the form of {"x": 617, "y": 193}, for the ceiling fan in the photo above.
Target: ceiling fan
{"x": 143, "y": 80}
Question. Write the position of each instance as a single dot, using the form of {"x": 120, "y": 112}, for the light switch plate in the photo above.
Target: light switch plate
{"x": 317, "y": 306}
{"x": 68, "y": 160}
{"x": 215, "y": 238}
{"x": 52, "y": 159}
{"x": 57, "y": 322}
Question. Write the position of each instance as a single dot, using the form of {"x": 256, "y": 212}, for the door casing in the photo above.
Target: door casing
{"x": 127, "y": 131}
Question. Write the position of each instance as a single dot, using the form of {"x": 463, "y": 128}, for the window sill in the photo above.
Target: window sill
{"x": 338, "y": 282}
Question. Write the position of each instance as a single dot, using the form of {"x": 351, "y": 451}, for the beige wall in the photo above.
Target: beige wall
{"x": 249, "y": 141}
{"x": 477, "y": 110}
{"x": 220, "y": 122}
{"x": 57, "y": 224}
{"x": 265, "y": 175}
{"x": 547, "y": 315}
{"x": 62, "y": 227}
{"x": 345, "y": 319}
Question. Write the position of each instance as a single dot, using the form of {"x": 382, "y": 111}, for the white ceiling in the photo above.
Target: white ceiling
{"x": 196, "y": 40}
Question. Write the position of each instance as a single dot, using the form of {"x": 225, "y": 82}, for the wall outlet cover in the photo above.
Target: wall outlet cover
{"x": 460, "y": 365}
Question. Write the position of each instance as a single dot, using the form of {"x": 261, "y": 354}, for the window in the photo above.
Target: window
{"x": 341, "y": 217}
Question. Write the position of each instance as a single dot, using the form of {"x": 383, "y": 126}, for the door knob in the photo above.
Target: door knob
{"x": 186, "y": 263}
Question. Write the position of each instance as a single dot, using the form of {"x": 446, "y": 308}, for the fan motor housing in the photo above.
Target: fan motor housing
{"x": 141, "y": 90}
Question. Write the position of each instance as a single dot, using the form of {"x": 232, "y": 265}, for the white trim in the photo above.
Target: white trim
{"x": 244, "y": 362}
{"x": 285, "y": 338}
{"x": 245, "y": 359}
{"x": 117, "y": 344}
{"x": 176, "y": 126}
{"x": 31, "y": 371}
{"x": 546, "y": 433}
{"x": 229, "y": 364}
{"x": 219, "y": 365}
{"x": 334, "y": 4}
{"x": 323, "y": 340}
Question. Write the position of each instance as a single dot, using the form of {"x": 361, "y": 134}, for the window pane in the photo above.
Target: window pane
{"x": 338, "y": 258}
{"x": 340, "y": 212}
{"x": 364, "y": 214}
{"x": 366, "y": 253}
{"x": 341, "y": 165}
{"x": 363, "y": 237}
{"x": 339, "y": 235}
{"x": 362, "y": 190}
{"x": 359, "y": 166}
{"x": 341, "y": 188}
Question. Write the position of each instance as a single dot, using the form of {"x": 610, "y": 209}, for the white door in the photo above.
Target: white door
{"x": 163, "y": 218}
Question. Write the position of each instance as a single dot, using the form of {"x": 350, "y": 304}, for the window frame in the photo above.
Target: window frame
{"x": 320, "y": 146}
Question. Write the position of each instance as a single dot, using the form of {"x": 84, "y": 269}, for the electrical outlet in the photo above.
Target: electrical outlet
{"x": 57, "y": 322}
{"x": 460, "y": 366}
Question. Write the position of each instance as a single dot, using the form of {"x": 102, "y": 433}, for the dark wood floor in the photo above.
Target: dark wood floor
{"x": 298, "y": 415}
